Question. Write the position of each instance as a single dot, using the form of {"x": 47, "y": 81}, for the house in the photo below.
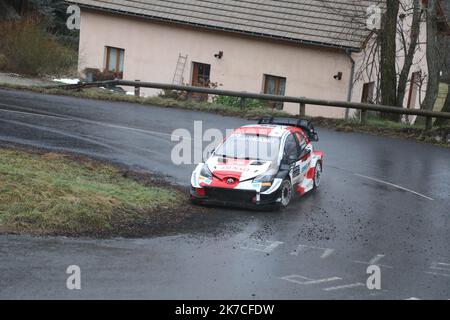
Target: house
{"x": 367, "y": 74}
{"x": 306, "y": 48}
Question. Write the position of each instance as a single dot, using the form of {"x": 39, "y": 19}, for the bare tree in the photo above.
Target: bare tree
{"x": 388, "y": 50}
{"x": 409, "y": 51}
{"x": 398, "y": 38}
{"x": 432, "y": 56}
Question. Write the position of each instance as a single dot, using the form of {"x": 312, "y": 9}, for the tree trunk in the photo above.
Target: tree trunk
{"x": 414, "y": 36}
{"x": 388, "y": 83}
{"x": 432, "y": 57}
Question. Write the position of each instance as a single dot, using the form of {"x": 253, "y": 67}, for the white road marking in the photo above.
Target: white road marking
{"x": 394, "y": 185}
{"x": 345, "y": 286}
{"x": 257, "y": 246}
{"x": 374, "y": 261}
{"x": 368, "y": 263}
{"x": 35, "y": 114}
{"x": 440, "y": 266}
{"x": 65, "y": 117}
{"x": 307, "y": 281}
{"x": 292, "y": 278}
{"x": 413, "y": 298}
{"x": 326, "y": 251}
{"x": 322, "y": 280}
{"x": 438, "y": 274}
{"x": 377, "y": 258}
{"x": 443, "y": 269}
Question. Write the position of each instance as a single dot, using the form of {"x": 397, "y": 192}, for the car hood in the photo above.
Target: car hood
{"x": 239, "y": 169}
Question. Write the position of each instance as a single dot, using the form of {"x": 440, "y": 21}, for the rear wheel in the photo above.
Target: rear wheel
{"x": 317, "y": 174}
{"x": 286, "y": 193}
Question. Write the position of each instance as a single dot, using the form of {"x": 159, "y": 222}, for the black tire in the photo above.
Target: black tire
{"x": 317, "y": 175}
{"x": 286, "y": 193}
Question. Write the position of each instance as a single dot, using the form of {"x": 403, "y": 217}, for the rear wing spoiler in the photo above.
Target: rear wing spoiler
{"x": 304, "y": 124}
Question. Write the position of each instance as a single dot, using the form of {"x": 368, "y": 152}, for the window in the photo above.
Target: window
{"x": 114, "y": 61}
{"x": 301, "y": 140}
{"x": 250, "y": 146}
{"x": 201, "y": 74}
{"x": 275, "y": 85}
{"x": 367, "y": 93}
{"x": 290, "y": 147}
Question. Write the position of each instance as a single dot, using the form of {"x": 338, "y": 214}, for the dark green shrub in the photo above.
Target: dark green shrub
{"x": 235, "y": 102}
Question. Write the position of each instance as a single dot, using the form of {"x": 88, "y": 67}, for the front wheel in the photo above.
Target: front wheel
{"x": 286, "y": 193}
{"x": 317, "y": 175}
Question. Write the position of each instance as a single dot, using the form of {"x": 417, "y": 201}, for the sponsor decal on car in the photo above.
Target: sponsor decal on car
{"x": 205, "y": 180}
{"x": 304, "y": 168}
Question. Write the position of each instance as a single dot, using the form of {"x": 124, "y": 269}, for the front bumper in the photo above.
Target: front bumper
{"x": 234, "y": 197}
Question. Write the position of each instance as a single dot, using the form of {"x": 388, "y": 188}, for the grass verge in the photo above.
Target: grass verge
{"x": 439, "y": 136}
{"x": 55, "y": 194}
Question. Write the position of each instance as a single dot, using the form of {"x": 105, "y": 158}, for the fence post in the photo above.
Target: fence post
{"x": 242, "y": 103}
{"x": 137, "y": 90}
{"x": 428, "y": 123}
{"x": 302, "y": 109}
{"x": 189, "y": 96}
{"x": 364, "y": 117}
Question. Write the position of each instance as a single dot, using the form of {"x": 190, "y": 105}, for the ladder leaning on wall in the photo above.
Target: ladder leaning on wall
{"x": 179, "y": 70}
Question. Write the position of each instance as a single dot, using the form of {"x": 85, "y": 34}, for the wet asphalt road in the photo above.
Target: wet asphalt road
{"x": 382, "y": 201}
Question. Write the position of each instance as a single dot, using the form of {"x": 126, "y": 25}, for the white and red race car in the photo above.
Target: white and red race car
{"x": 260, "y": 165}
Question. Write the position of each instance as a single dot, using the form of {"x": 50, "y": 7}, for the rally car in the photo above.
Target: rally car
{"x": 260, "y": 165}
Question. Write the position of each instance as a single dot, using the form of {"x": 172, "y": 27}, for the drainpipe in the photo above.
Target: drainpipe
{"x": 348, "y": 52}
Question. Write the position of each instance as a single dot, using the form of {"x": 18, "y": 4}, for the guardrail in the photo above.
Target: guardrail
{"x": 302, "y": 101}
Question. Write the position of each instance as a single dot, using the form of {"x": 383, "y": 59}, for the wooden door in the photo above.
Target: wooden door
{"x": 276, "y": 86}
{"x": 201, "y": 78}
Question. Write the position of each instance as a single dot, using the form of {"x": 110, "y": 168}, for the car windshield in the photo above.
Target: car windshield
{"x": 250, "y": 146}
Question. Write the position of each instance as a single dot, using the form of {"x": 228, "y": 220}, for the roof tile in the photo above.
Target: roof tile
{"x": 325, "y": 22}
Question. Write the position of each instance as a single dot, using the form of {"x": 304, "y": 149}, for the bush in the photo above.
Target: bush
{"x": 235, "y": 102}
{"x": 172, "y": 94}
{"x": 29, "y": 49}
{"x": 93, "y": 74}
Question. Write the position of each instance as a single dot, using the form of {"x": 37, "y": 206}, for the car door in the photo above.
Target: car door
{"x": 304, "y": 156}
{"x": 291, "y": 151}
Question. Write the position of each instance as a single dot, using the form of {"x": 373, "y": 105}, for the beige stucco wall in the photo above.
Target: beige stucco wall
{"x": 152, "y": 49}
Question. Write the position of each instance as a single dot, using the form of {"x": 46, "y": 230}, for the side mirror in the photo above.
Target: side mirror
{"x": 314, "y": 136}
{"x": 208, "y": 154}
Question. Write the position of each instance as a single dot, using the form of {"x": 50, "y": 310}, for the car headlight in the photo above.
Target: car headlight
{"x": 205, "y": 172}
{"x": 265, "y": 180}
